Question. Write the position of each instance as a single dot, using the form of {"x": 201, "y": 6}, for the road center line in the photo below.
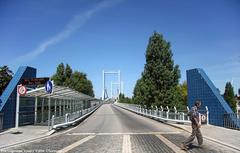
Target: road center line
{"x": 126, "y": 147}
{"x": 170, "y": 144}
{"x": 70, "y": 147}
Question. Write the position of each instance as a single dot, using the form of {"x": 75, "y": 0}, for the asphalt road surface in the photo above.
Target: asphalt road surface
{"x": 114, "y": 130}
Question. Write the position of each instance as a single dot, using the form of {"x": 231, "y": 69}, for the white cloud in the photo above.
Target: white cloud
{"x": 77, "y": 22}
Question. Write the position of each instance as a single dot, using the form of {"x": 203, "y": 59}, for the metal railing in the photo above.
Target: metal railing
{"x": 231, "y": 121}
{"x": 71, "y": 118}
{"x": 164, "y": 115}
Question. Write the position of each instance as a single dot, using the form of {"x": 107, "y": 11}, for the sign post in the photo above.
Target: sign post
{"x": 49, "y": 90}
{"x": 21, "y": 91}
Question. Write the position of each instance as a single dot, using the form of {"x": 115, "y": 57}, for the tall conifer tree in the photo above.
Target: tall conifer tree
{"x": 160, "y": 78}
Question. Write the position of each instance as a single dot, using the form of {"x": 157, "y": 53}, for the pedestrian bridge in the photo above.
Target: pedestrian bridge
{"x": 69, "y": 121}
{"x": 114, "y": 129}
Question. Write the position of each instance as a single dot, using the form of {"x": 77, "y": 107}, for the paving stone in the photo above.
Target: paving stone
{"x": 148, "y": 144}
{"x": 101, "y": 144}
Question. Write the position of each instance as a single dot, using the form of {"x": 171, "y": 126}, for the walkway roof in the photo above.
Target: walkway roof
{"x": 59, "y": 92}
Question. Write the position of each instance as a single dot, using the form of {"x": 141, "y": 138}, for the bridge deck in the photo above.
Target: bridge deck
{"x": 112, "y": 129}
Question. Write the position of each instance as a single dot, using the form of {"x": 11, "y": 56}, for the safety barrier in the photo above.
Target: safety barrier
{"x": 231, "y": 121}
{"x": 164, "y": 115}
{"x": 71, "y": 118}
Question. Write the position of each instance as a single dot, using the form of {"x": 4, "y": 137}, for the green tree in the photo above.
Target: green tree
{"x": 5, "y": 77}
{"x": 77, "y": 80}
{"x": 123, "y": 99}
{"x": 182, "y": 96}
{"x": 80, "y": 83}
{"x": 229, "y": 96}
{"x": 159, "y": 82}
{"x": 59, "y": 78}
{"x": 68, "y": 75}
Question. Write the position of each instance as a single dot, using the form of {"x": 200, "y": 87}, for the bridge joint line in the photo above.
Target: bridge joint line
{"x": 127, "y": 133}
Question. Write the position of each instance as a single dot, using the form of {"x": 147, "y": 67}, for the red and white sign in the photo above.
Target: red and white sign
{"x": 203, "y": 117}
{"x": 22, "y": 90}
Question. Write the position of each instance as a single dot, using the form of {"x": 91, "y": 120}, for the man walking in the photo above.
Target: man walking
{"x": 196, "y": 124}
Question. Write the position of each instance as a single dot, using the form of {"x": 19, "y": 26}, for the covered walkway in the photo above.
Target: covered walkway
{"x": 38, "y": 107}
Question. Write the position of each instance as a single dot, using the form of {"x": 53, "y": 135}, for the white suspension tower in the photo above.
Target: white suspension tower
{"x": 118, "y": 73}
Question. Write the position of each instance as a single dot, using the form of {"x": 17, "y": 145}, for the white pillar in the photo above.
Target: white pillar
{"x": 111, "y": 89}
{"x": 60, "y": 107}
{"x": 49, "y": 112}
{"x": 119, "y": 81}
{"x": 64, "y": 103}
{"x": 17, "y": 109}
{"x": 55, "y": 107}
{"x": 103, "y": 85}
{"x": 35, "y": 111}
{"x": 42, "y": 109}
{"x": 122, "y": 87}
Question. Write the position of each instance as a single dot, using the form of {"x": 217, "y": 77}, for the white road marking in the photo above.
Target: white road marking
{"x": 170, "y": 144}
{"x": 70, "y": 147}
{"x": 81, "y": 134}
{"x": 126, "y": 146}
{"x": 132, "y": 133}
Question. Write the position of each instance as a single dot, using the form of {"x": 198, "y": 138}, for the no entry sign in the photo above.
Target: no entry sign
{"x": 22, "y": 90}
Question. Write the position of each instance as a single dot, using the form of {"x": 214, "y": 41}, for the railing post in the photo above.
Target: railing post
{"x": 188, "y": 112}
{"x": 175, "y": 111}
{"x": 156, "y": 111}
{"x": 52, "y": 120}
{"x": 161, "y": 111}
{"x": 151, "y": 112}
{"x": 167, "y": 112}
{"x": 66, "y": 117}
{"x": 207, "y": 115}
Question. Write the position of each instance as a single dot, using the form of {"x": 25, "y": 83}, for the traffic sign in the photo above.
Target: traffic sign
{"x": 49, "y": 87}
{"x": 203, "y": 118}
{"x": 22, "y": 90}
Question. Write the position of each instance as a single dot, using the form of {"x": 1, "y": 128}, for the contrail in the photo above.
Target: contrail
{"x": 75, "y": 23}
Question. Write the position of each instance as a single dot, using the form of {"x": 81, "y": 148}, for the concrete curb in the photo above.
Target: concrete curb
{"x": 30, "y": 140}
{"x": 171, "y": 124}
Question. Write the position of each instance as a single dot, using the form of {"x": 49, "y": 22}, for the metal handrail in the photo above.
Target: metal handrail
{"x": 159, "y": 113}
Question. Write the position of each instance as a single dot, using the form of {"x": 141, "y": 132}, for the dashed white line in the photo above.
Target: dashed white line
{"x": 126, "y": 147}
{"x": 70, "y": 147}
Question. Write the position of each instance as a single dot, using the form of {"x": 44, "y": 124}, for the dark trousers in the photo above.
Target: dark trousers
{"x": 195, "y": 133}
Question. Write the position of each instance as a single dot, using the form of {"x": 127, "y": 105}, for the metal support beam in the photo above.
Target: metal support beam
{"x": 60, "y": 107}
{"x": 55, "y": 107}
{"x": 42, "y": 110}
{"x": 49, "y": 112}
{"x": 35, "y": 110}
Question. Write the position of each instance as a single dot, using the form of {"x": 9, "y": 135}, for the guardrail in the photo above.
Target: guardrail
{"x": 71, "y": 119}
{"x": 231, "y": 121}
{"x": 161, "y": 114}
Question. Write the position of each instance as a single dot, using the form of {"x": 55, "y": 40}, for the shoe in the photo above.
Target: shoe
{"x": 183, "y": 147}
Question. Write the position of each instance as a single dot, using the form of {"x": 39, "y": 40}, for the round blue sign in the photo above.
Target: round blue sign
{"x": 48, "y": 87}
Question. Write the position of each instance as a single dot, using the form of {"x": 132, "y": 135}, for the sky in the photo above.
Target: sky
{"x": 111, "y": 35}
